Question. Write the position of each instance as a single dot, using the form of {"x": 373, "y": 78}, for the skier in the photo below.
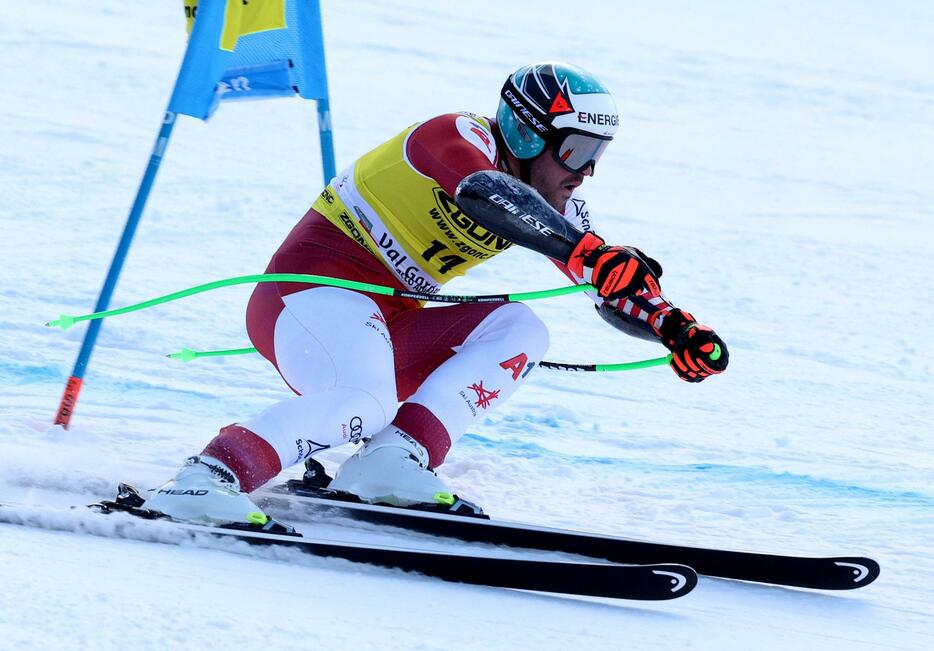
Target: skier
{"x": 352, "y": 357}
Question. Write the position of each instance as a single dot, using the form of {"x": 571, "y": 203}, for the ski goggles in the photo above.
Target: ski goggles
{"x": 577, "y": 150}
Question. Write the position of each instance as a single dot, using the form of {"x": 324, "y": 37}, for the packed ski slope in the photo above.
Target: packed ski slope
{"x": 777, "y": 159}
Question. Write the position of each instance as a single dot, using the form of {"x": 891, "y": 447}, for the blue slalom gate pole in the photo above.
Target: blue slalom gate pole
{"x": 73, "y": 386}
{"x": 327, "y": 140}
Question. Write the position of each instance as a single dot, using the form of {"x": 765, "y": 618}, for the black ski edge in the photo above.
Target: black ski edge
{"x": 820, "y": 573}
{"x": 655, "y": 582}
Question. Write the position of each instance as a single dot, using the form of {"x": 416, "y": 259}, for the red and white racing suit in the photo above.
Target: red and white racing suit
{"x": 351, "y": 358}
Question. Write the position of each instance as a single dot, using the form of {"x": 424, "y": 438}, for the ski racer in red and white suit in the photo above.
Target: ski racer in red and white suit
{"x": 351, "y": 358}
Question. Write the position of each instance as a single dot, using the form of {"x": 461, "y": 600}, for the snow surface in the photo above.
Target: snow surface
{"x": 777, "y": 157}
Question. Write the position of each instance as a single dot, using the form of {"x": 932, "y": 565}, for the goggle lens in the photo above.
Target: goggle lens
{"x": 576, "y": 151}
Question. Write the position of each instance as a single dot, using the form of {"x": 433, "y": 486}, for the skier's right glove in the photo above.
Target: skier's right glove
{"x": 615, "y": 271}
{"x": 696, "y": 350}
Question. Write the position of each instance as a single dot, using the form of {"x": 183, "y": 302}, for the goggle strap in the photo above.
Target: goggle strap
{"x": 528, "y": 115}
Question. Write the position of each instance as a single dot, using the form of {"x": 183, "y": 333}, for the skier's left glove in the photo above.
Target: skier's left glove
{"x": 697, "y": 352}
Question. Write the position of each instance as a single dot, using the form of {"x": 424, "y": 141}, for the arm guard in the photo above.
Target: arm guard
{"x": 629, "y": 325}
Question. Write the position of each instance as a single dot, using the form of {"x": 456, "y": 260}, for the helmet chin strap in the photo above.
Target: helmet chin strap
{"x": 525, "y": 170}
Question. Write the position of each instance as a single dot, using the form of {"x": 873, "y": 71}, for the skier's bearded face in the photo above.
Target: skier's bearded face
{"x": 554, "y": 182}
